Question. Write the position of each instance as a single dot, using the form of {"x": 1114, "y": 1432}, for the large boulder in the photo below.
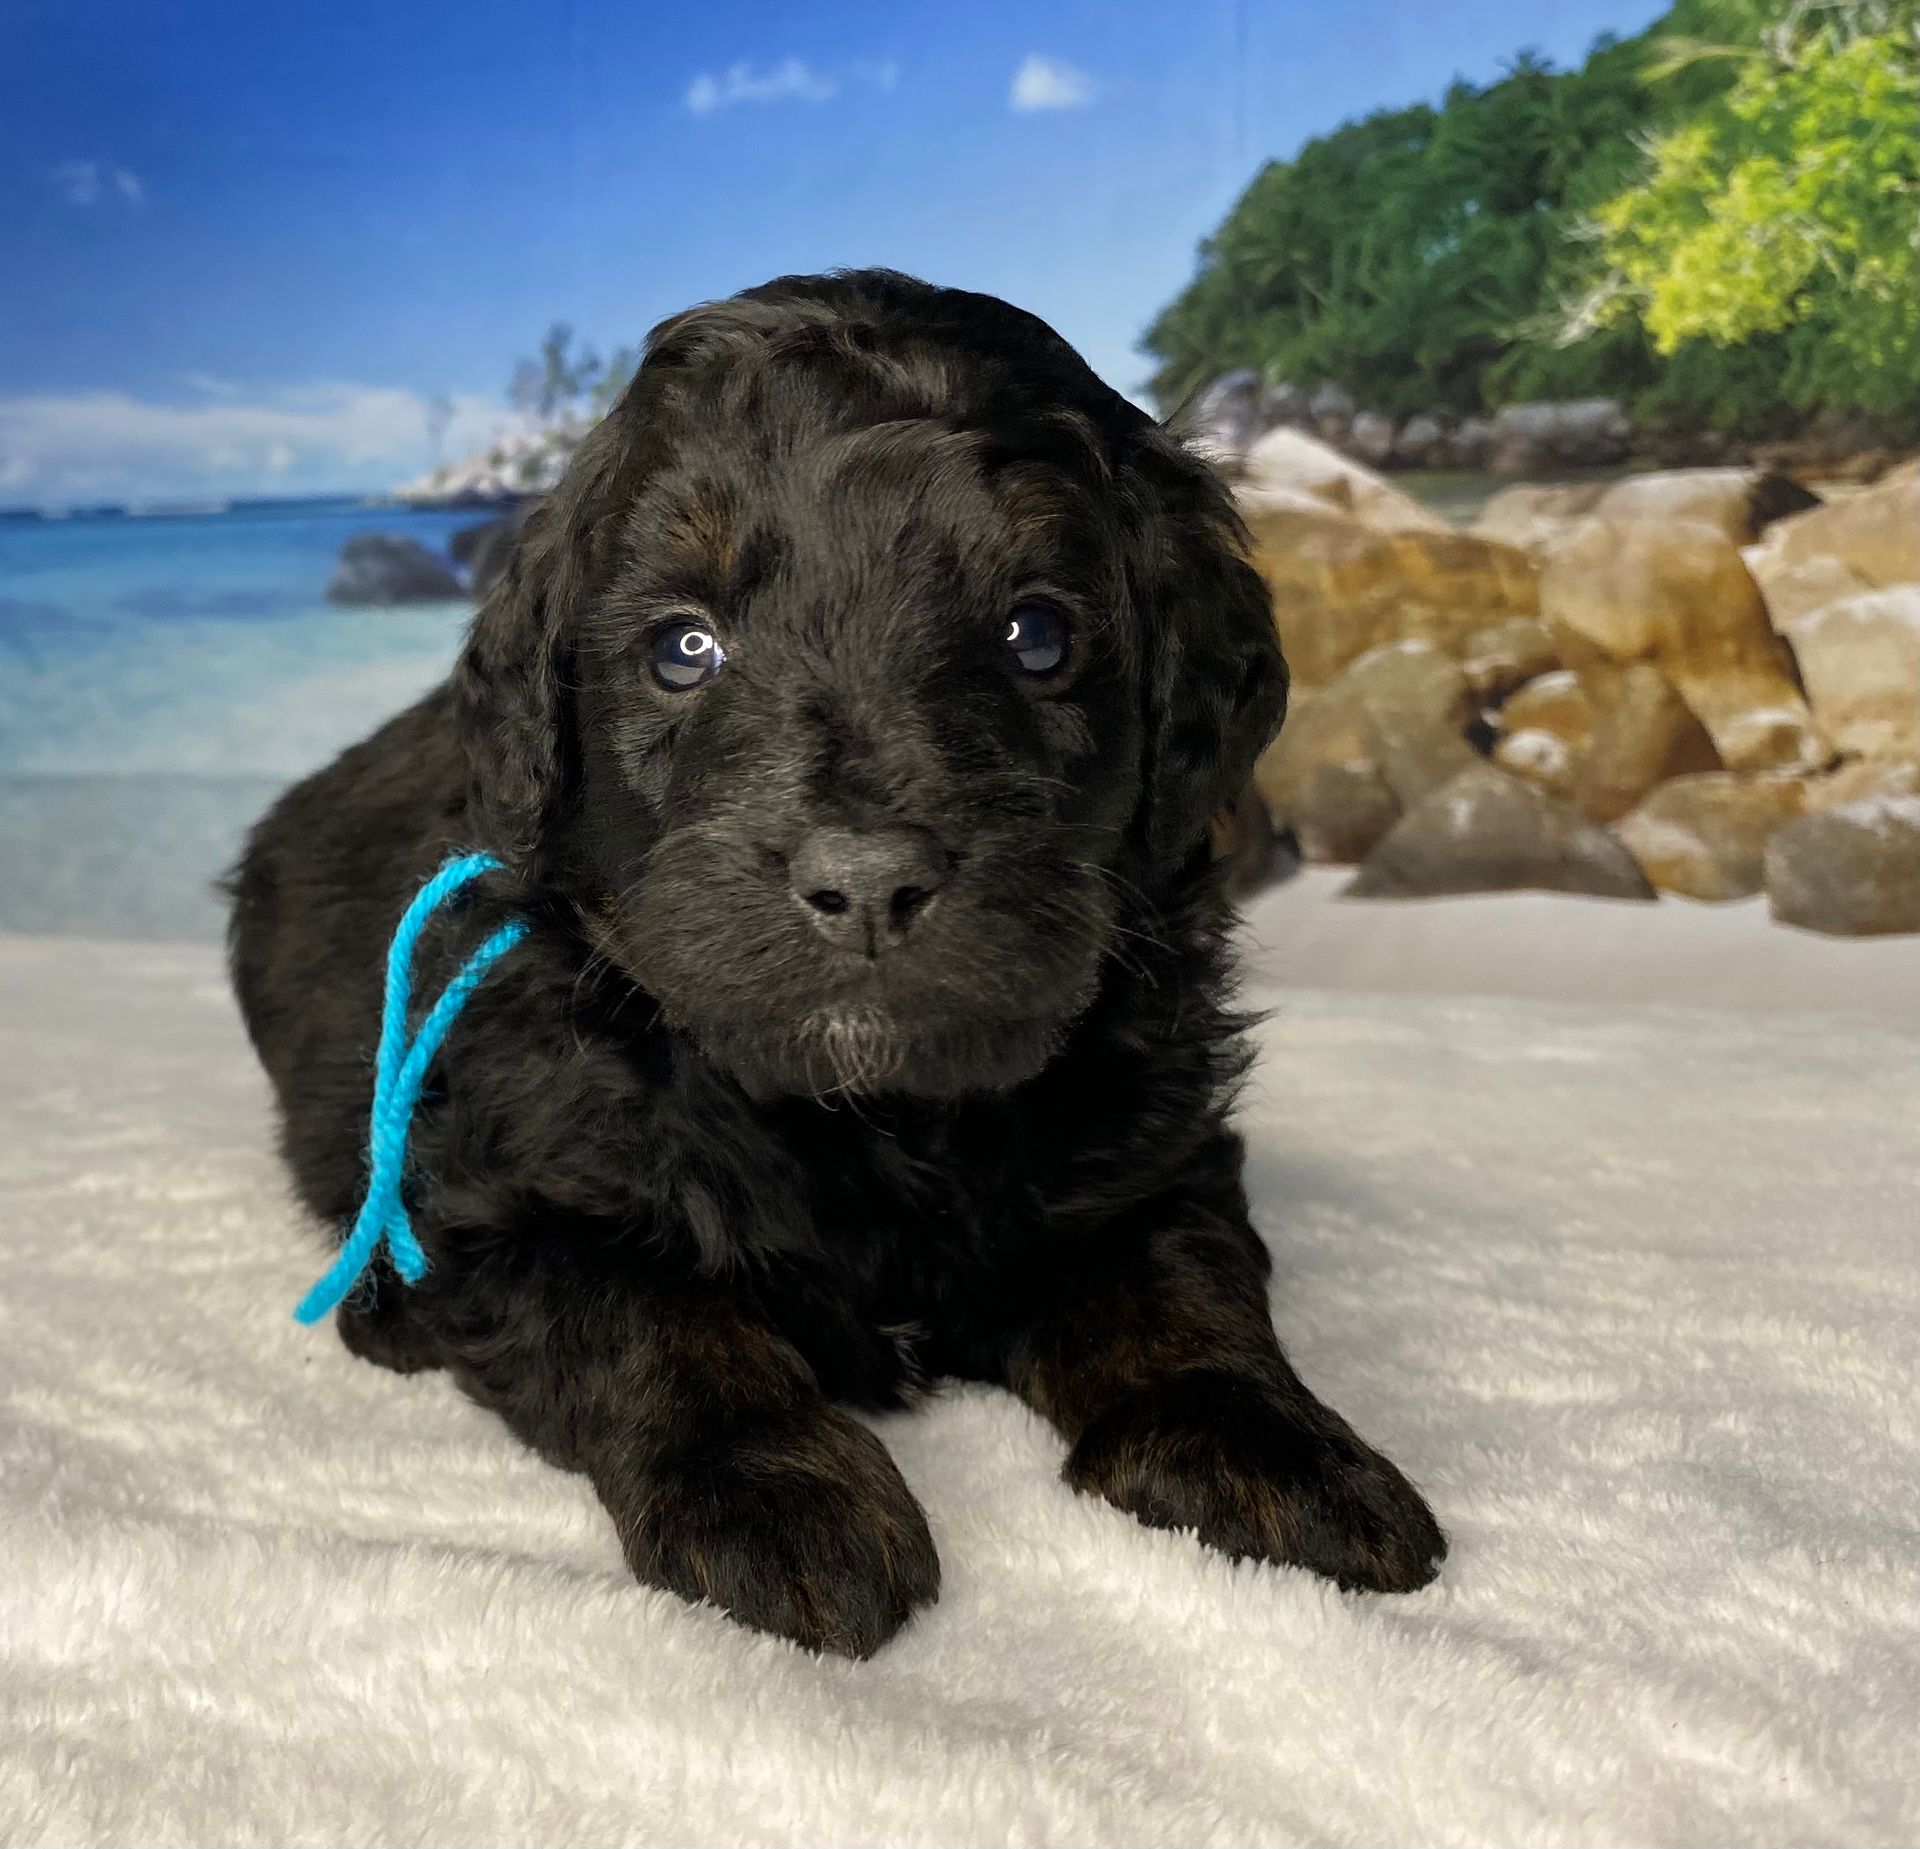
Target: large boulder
{"x": 1331, "y": 407}
{"x": 1832, "y": 447}
{"x": 1226, "y": 416}
{"x": 1341, "y": 587}
{"x": 1337, "y": 811}
{"x": 1676, "y": 595}
{"x": 485, "y": 550}
{"x": 1424, "y": 442}
{"x": 1533, "y": 516}
{"x": 1544, "y": 731}
{"x": 1471, "y": 445}
{"x": 386, "y": 568}
{"x": 1371, "y": 437}
{"x": 1372, "y": 742}
{"x": 1508, "y": 655}
{"x": 1860, "y": 660}
{"x": 1864, "y": 541}
{"x": 1742, "y": 503}
{"x": 1419, "y": 706}
{"x": 1705, "y": 837}
{"x": 1284, "y": 403}
{"x": 468, "y": 540}
{"x": 1489, "y": 832}
{"x": 1852, "y": 871}
{"x": 1529, "y": 439}
{"x": 1556, "y": 702}
{"x": 1539, "y": 757}
{"x": 1289, "y": 469}
{"x": 1643, "y": 734}
{"x": 1859, "y": 780}
{"x": 1324, "y": 733}
{"x": 1793, "y": 591}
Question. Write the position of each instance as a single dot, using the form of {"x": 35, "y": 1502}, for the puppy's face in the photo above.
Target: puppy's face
{"x": 860, "y": 709}
{"x": 860, "y": 750}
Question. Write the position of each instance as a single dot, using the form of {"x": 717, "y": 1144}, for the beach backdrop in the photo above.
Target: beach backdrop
{"x": 298, "y": 281}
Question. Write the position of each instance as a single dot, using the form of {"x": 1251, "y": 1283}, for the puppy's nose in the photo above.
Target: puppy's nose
{"x": 863, "y": 888}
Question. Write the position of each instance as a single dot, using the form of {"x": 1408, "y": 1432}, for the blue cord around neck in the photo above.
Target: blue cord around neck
{"x": 400, "y": 1069}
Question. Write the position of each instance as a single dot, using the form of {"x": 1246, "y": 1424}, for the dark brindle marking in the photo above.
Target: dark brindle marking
{"x": 711, "y": 1152}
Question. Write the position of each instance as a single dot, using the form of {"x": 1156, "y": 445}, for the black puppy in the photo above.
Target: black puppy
{"x": 849, "y": 722}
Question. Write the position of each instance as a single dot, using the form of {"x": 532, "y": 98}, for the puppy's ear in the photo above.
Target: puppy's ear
{"x": 1216, "y": 684}
{"x": 512, "y": 682}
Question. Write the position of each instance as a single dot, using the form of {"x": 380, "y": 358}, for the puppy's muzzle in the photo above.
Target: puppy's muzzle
{"x": 863, "y": 889}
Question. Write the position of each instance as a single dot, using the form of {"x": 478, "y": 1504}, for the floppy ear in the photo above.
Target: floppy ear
{"x": 1215, "y": 681}
{"x": 513, "y": 677}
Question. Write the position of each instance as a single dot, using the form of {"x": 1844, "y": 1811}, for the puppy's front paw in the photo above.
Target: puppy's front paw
{"x": 799, "y": 1524}
{"x": 1260, "y": 1474}
{"x": 379, "y": 1329}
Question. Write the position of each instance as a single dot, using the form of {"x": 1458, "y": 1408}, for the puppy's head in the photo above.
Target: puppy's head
{"x": 872, "y": 666}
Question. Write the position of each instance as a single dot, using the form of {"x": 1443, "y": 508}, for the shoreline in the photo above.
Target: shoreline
{"x": 1295, "y": 937}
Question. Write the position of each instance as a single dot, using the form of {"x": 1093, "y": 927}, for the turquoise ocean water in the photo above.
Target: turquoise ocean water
{"x": 161, "y": 677}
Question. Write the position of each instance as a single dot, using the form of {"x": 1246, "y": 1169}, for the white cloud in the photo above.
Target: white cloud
{"x": 85, "y": 183}
{"x": 792, "y": 80}
{"x": 111, "y": 446}
{"x": 1047, "y": 83}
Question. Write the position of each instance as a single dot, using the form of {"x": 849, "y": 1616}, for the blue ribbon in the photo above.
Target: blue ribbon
{"x": 400, "y": 1069}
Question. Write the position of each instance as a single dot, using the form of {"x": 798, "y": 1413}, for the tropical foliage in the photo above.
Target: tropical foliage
{"x": 1715, "y": 220}
{"x": 563, "y": 382}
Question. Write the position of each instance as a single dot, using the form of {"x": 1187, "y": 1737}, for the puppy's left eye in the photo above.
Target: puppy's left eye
{"x": 684, "y": 655}
{"x": 1037, "y": 635}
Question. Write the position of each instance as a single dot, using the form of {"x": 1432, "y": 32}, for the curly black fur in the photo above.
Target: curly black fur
{"x": 689, "y": 1173}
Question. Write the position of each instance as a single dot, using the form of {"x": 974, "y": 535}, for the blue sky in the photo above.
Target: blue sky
{"x": 244, "y": 244}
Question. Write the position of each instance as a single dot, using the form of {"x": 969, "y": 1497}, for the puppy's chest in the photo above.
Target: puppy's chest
{"x": 911, "y": 1237}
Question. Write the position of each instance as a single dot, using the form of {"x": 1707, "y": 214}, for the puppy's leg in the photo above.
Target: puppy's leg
{"x": 1153, "y": 1353}
{"x": 728, "y": 1476}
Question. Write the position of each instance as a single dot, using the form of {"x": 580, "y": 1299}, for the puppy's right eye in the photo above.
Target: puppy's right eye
{"x": 1037, "y": 636}
{"x": 685, "y": 655}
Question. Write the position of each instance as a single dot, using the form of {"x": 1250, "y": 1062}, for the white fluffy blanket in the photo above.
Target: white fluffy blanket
{"x": 1631, "y": 1294}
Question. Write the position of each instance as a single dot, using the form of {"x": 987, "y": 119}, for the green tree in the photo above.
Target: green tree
{"x": 1400, "y": 255}
{"x": 621, "y": 365}
{"x": 1713, "y": 219}
{"x": 562, "y": 382}
{"x": 1787, "y": 212}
